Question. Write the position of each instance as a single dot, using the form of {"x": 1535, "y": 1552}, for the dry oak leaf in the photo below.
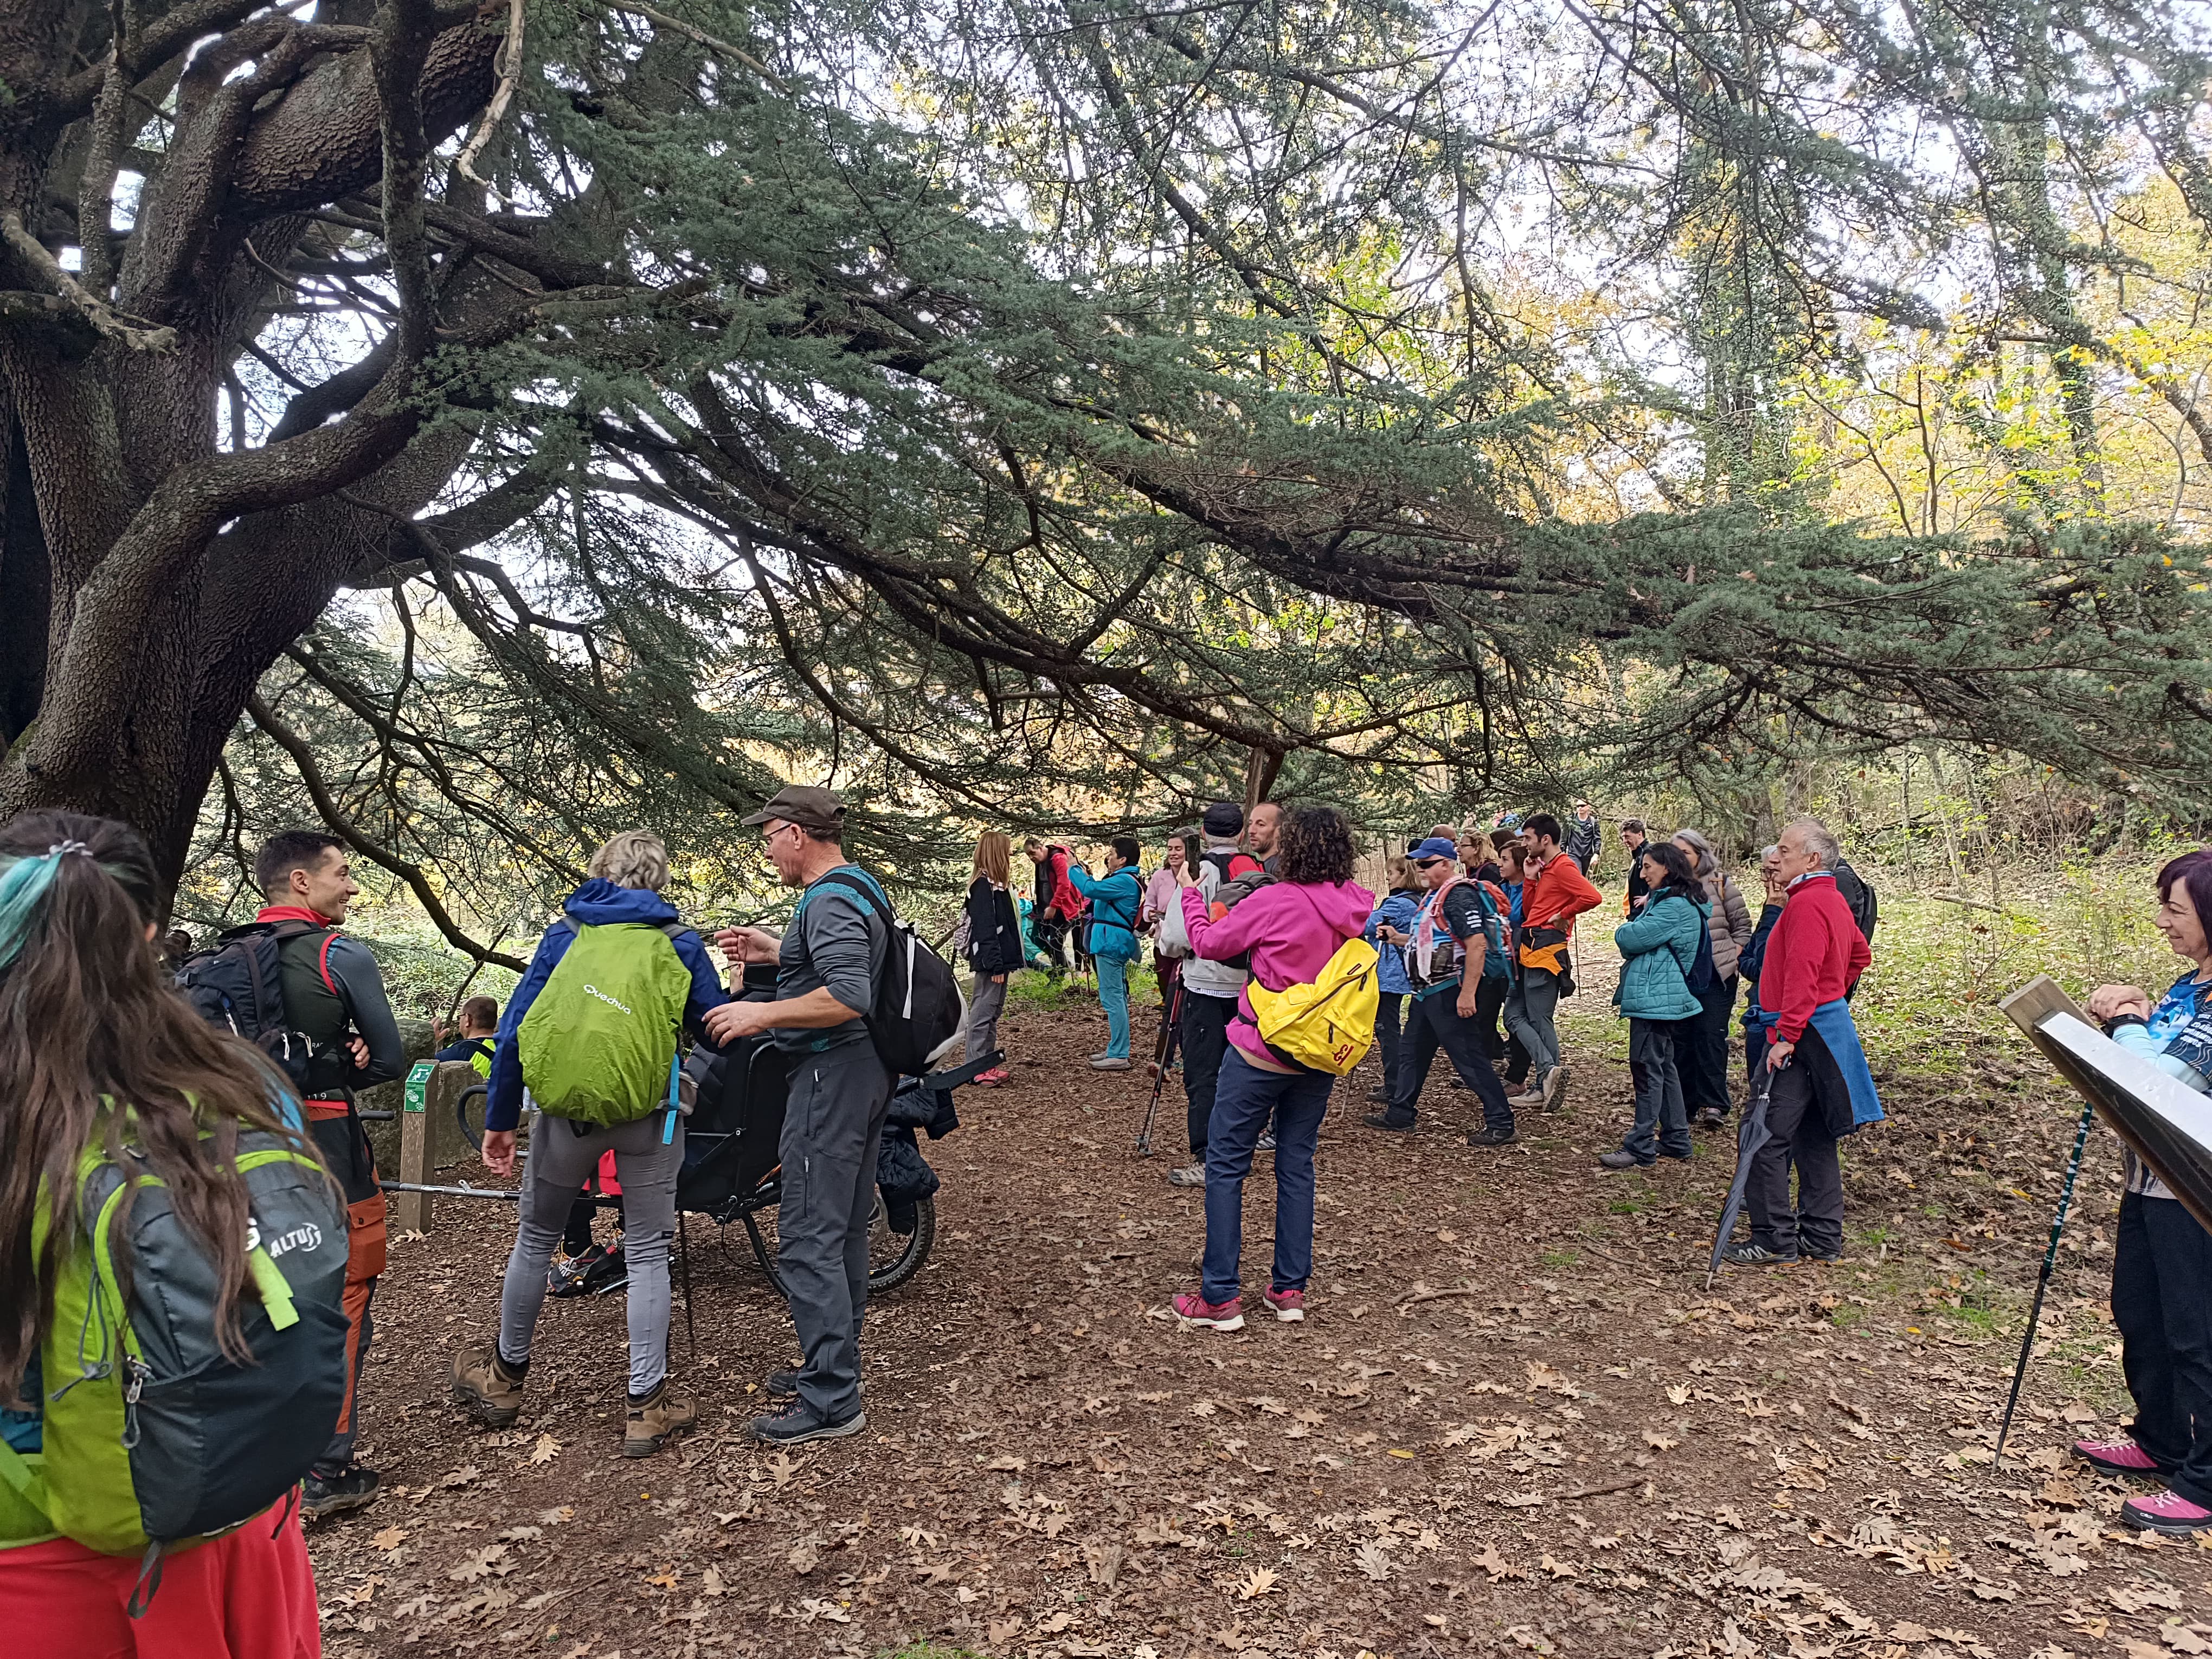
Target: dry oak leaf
{"x": 545, "y": 1450}
{"x": 783, "y": 1466}
{"x": 803, "y": 1556}
{"x": 710, "y": 1582}
{"x": 1262, "y": 1580}
{"x": 390, "y": 1539}
{"x": 1659, "y": 1442}
{"x": 1541, "y": 1375}
{"x": 1373, "y": 1560}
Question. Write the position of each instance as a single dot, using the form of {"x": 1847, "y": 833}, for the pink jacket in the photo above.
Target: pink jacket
{"x": 1291, "y": 931}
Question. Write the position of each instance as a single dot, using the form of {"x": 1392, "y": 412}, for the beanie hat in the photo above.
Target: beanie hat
{"x": 1224, "y": 819}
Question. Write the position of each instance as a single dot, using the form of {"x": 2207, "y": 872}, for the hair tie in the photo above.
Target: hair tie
{"x": 61, "y": 847}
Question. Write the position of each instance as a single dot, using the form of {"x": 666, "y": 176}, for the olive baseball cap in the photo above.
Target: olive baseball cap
{"x": 809, "y": 808}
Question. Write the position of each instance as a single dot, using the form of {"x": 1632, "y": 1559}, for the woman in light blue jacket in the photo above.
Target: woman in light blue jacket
{"x": 1661, "y": 946}
{"x": 1397, "y": 911}
{"x": 1116, "y": 897}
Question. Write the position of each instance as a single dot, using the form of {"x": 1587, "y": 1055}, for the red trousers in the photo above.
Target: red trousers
{"x": 244, "y": 1595}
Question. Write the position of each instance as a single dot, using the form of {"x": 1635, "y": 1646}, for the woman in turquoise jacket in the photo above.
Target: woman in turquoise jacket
{"x": 1660, "y": 945}
{"x": 1115, "y": 898}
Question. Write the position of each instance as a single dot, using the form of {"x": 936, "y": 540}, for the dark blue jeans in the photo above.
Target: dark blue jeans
{"x": 1242, "y": 1103}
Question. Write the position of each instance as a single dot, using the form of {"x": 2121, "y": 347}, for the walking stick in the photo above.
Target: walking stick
{"x": 684, "y": 1267}
{"x": 1160, "y": 1075}
{"x": 2042, "y": 1284}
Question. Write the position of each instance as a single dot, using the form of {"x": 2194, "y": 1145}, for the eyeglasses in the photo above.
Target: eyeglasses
{"x": 769, "y": 835}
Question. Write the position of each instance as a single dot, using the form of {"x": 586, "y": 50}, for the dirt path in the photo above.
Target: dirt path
{"x": 1514, "y": 1420}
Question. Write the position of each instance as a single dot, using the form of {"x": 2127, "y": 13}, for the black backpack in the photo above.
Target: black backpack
{"x": 919, "y": 1008}
{"x": 1866, "y": 910}
{"x": 237, "y": 985}
{"x": 1233, "y": 891}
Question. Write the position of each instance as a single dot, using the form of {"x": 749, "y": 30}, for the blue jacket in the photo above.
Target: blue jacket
{"x": 1115, "y": 898}
{"x": 1397, "y": 910}
{"x": 1661, "y": 946}
{"x": 1747, "y": 966}
{"x": 594, "y": 904}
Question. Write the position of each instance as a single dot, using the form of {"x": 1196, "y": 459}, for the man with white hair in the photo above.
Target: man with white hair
{"x": 1822, "y": 1089}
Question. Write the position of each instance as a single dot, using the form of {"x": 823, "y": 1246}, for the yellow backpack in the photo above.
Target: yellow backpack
{"x": 1327, "y": 1026}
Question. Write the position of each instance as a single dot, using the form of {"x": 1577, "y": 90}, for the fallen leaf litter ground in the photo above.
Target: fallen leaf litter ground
{"x": 1514, "y": 1422}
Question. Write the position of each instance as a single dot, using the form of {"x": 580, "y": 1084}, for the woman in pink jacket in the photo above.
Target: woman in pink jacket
{"x": 1291, "y": 928}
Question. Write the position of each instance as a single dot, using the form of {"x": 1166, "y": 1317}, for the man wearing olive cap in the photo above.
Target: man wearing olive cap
{"x": 826, "y": 968}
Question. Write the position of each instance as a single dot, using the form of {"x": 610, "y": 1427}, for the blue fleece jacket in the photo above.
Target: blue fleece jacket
{"x": 1115, "y": 897}
{"x": 1397, "y": 910}
{"x": 594, "y": 904}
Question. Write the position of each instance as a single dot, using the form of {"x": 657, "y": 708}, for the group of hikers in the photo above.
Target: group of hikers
{"x": 185, "y": 1139}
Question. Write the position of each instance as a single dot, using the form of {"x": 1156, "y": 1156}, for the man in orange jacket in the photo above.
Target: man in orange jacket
{"x": 1557, "y": 892}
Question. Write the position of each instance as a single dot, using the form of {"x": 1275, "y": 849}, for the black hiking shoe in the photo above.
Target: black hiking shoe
{"x": 1623, "y": 1161}
{"x": 1807, "y": 1252}
{"x": 353, "y": 1488}
{"x": 1486, "y": 1136}
{"x": 1388, "y": 1120}
{"x": 793, "y": 1425}
{"x": 1757, "y": 1255}
{"x": 1708, "y": 1117}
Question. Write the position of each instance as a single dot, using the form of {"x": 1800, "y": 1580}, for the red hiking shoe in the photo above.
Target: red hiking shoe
{"x": 1289, "y": 1306}
{"x": 2169, "y": 1513}
{"x": 2121, "y": 1457}
{"x": 1192, "y": 1309}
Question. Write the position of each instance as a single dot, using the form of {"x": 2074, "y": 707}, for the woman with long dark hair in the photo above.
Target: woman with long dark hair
{"x": 1291, "y": 928}
{"x": 89, "y": 1024}
{"x": 1659, "y": 947}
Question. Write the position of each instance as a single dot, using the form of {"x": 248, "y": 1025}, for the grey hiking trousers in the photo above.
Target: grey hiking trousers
{"x": 831, "y": 1128}
{"x": 557, "y": 1163}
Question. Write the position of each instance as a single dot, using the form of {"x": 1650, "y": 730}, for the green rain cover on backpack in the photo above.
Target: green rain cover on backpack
{"x": 152, "y": 1437}
{"x": 598, "y": 1044}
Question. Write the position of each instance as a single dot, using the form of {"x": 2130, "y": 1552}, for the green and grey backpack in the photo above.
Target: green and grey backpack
{"x": 152, "y": 1437}
{"x": 598, "y": 1045}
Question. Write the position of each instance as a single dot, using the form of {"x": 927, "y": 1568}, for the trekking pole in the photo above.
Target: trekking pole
{"x": 1160, "y": 1075}
{"x": 683, "y": 1269}
{"x": 2042, "y": 1284}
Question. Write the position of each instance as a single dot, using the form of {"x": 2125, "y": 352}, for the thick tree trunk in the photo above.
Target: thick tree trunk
{"x": 147, "y": 576}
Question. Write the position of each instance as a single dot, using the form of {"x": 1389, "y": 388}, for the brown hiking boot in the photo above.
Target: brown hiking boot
{"x": 656, "y": 1421}
{"x": 486, "y": 1389}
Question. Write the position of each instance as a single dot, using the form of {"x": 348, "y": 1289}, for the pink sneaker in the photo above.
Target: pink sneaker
{"x": 2121, "y": 1457}
{"x": 2169, "y": 1513}
{"x": 1289, "y": 1306}
{"x": 1192, "y": 1309}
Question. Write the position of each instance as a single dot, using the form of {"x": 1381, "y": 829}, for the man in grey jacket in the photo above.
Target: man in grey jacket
{"x": 826, "y": 966}
{"x": 1210, "y": 989}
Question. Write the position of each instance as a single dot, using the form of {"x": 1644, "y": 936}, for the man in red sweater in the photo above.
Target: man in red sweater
{"x": 1554, "y": 893}
{"x": 1813, "y": 957}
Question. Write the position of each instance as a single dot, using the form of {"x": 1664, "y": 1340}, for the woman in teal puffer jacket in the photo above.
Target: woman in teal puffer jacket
{"x": 1660, "y": 945}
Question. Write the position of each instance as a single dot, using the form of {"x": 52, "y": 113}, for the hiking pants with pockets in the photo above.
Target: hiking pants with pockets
{"x": 338, "y": 1135}
{"x": 1529, "y": 1007}
{"x": 559, "y": 1161}
{"x": 1434, "y": 1021}
{"x": 1662, "y": 1117}
{"x": 831, "y": 1129}
{"x": 987, "y": 1001}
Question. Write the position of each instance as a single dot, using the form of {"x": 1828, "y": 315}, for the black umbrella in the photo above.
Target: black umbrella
{"x": 1752, "y": 1134}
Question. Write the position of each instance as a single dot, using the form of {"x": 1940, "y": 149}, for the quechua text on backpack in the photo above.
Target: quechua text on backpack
{"x": 151, "y": 1436}
{"x": 598, "y": 1045}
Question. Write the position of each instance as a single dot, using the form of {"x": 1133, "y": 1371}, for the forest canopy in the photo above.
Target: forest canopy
{"x": 483, "y": 426}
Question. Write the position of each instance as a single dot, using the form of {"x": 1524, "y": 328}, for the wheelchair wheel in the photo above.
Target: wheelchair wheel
{"x": 470, "y": 1109}
{"x": 895, "y": 1257}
